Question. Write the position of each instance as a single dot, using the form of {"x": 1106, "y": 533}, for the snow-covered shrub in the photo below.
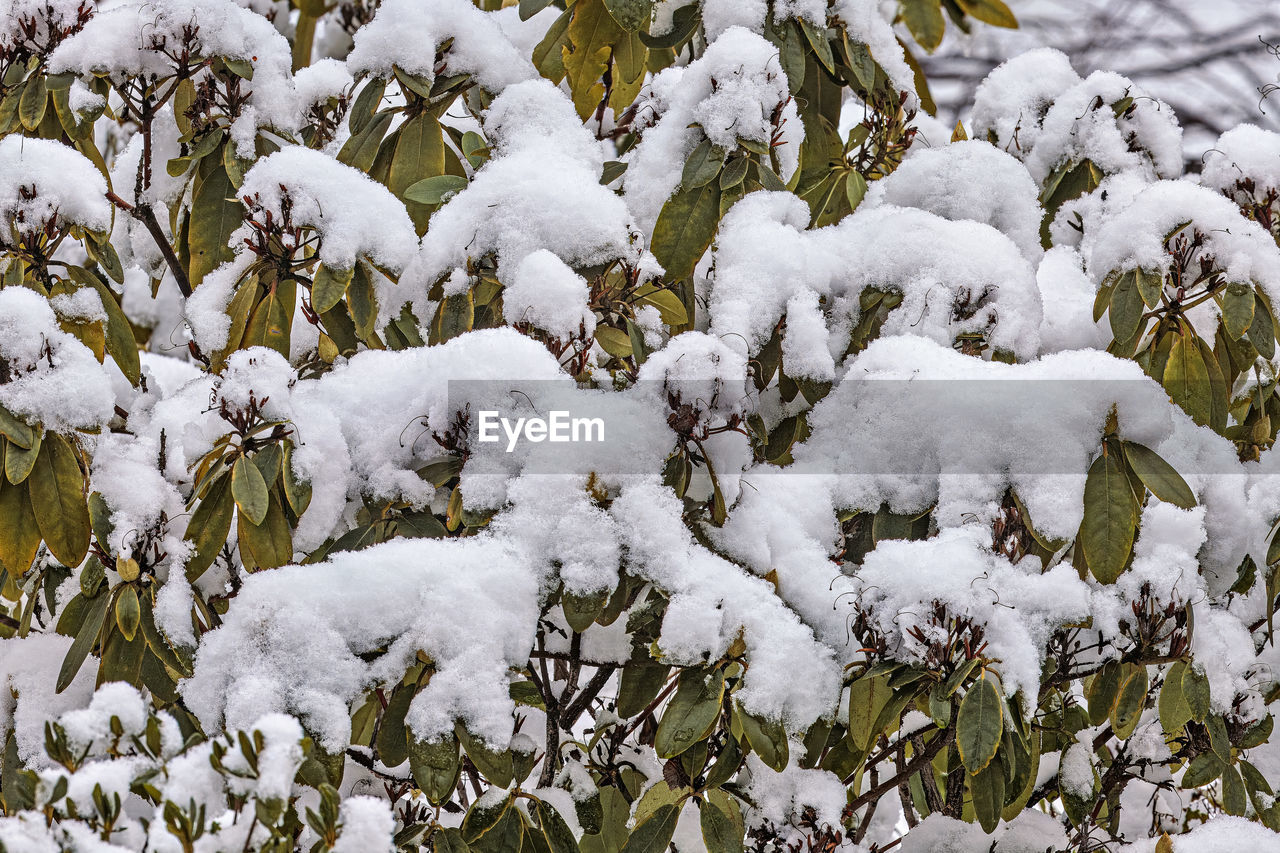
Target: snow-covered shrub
{"x": 939, "y": 501}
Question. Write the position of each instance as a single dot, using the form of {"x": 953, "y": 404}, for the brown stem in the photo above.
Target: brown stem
{"x": 915, "y": 765}
{"x": 144, "y": 214}
{"x": 588, "y": 694}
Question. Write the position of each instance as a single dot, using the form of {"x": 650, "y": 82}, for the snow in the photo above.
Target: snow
{"x": 293, "y": 642}
{"x": 367, "y": 826}
{"x": 1010, "y": 104}
{"x": 355, "y": 216}
{"x": 53, "y": 379}
{"x": 1246, "y": 151}
{"x": 731, "y": 92}
{"x": 969, "y": 180}
{"x": 407, "y": 34}
{"x": 43, "y": 182}
{"x": 988, "y": 375}
{"x": 548, "y": 294}
{"x": 1135, "y": 236}
{"x": 28, "y": 700}
{"x": 136, "y": 37}
{"x": 763, "y": 257}
{"x": 1082, "y": 125}
{"x": 540, "y": 191}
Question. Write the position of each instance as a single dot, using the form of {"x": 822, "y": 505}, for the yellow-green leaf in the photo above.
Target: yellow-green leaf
{"x": 58, "y": 498}
{"x": 1186, "y": 378}
{"x": 993, "y": 12}
{"x": 685, "y": 229}
{"x": 35, "y": 98}
{"x": 592, "y": 33}
{"x": 1158, "y": 475}
{"x": 691, "y": 714}
{"x": 980, "y": 724}
{"x": 1129, "y": 705}
{"x": 614, "y": 341}
{"x": 269, "y": 544}
{"x": 249, "y": 490}
{"x": 867, "y": 698}
{"x": 19, "y": 536}
{"x": 128, "y": 613}
{"x": 925, "y": 21}
{"x": 1110, "y": 518}
{"x": 19, "y": 461}
{"x": 215, "y": 214}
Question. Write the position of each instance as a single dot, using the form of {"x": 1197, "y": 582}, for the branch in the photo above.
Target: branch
{"x": 144, "y": 214}
{"x": 915, "y": 765}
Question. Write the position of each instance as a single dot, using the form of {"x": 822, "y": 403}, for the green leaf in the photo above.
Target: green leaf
{"x": 529, "y": 8}
{"x": 1234, "y": 799}
{"x": 1237, "y": 309}
{"x": 59, "y": 501}
{"x": 297, "y": 492}
{"x": 1110, "y": 518}
{"x": 1195, "y": 688}
{"x": 855, "y": 188}
{"x": 925, "y": 21}
{"x": 493, "y": 829}
{"x": 979, "y": 724}
{"x": 1158, "y": 475}
{"x": 1126, "y": 309}
{"x": 1202, "y": 770}
{"x": 249, "y": 490}
{"x": 592, "y": 33}
{"x": 987, "y": 789}
{"x": 642, "y": 679}
{"x": 128, "y": 612}
{"x": 1129, "y": 705}
{"x": 993, "y": 12}
{"x": 685, "y": 229}
{"x": 557, "y": 833}
{"x": 1173, "y": 707}
{"x": 1219, "y": 740}
{"x": 867, "y": 699}
{"x": 768, "y": 740}
{"x": 1262, "y": 331}
{"x": 691, "y": 714}
{"x": 209, "y": 526}
{"x": 19, "y": 462}
{"x": 718, "y": 831}
{"x": 364, "y": 106}
{"x": 703, "y": 165}
{"x": 495, "y": 765}
{"x": 435, "y": 766}
{"x": 434, "y": 190}
{"x": 95, "y": 614}
{"x": 1103, "y": 691}
{"x": 35, "y": 98}
{"x": 1150, "y": 286}
{"x": 328, "y": 287}
{"x": 215, "y": 214}
{"x": 631, "y": 15}
{"x": 361, "y": 150}
{"x": 654, "y": 834}
{"x": 392, "y": 738}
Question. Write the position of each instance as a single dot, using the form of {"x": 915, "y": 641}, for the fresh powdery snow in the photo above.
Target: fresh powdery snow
{"x": 854, "y": 507}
